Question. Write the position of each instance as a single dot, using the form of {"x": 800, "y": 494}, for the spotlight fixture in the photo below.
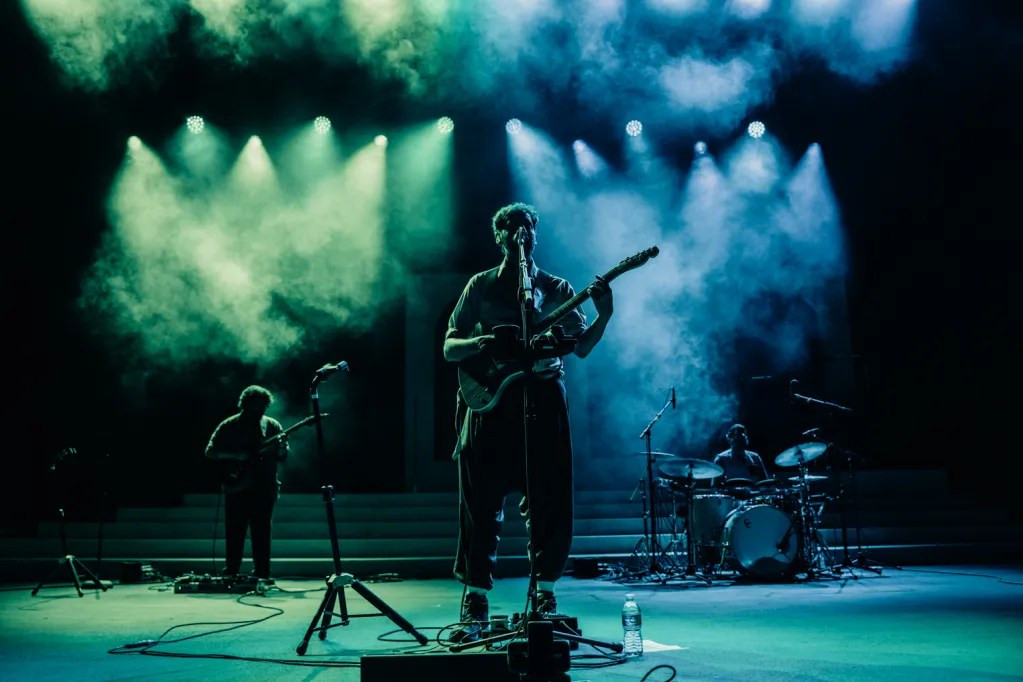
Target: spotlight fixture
{"x": 700, "y": 148}
{"x": 380, "y": 140}
{"x": 321, "y": 125}
{"x": 514, "y": 126}
{"x": 756, "y": 130}
{"x": 195, "y": 124}
{"x": 578, "y": 145}
{"x": 445, "y": 124}
{"x": 633, "y": 128}
{"x": 134, "y": 142}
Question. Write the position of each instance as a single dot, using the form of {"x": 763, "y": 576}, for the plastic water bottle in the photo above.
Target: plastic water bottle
{"x": 632, "y": 626}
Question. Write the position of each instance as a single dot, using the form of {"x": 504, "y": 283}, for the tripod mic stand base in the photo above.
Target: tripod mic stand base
{"x": 335, "y": 592}
{"x": 72, "y": 567}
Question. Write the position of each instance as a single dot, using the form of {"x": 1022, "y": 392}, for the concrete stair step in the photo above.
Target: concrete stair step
{"x": 303, "y": 529}
{"x": 511, "y": 543}
{"x": 316, "y": 566}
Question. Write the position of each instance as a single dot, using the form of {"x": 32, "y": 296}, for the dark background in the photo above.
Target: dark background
{"x": 925, "y": 166}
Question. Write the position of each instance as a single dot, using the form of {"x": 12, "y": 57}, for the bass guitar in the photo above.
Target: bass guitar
{"x": 483, "y": 379}
{"x": 236, "y": 475}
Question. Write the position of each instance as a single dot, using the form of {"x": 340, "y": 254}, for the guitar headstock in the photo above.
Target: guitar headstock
{"x": 635, "y": 261}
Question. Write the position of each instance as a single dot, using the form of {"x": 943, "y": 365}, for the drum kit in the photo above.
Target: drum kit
{"x": 758, "y": 530}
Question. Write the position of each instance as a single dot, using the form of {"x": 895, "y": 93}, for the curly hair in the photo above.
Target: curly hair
{"x": 253, "y": 394}
{"x": 503, "y": 218}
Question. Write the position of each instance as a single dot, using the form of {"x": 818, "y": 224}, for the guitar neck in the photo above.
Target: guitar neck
{"x": 571, "y": 304}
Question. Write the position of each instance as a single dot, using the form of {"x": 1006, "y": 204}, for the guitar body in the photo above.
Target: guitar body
{"x": 239, "y": 475}
{"x": 482, "y": 380}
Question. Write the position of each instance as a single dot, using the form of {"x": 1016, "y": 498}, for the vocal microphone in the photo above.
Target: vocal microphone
{"x": 673, "y": 397}
{"x": 329, "y": 369}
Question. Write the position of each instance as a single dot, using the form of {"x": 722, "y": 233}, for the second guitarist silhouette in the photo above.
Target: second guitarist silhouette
{"x": 249, "y": 476}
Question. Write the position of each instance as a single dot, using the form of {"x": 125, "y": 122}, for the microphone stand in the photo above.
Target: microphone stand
{"x": 540, "y": 631}
{"x": 337, "y": 581}
{"x": 650, "y": 511}
{"x": 831, "y": 409}
{"x": 68, "y": 564}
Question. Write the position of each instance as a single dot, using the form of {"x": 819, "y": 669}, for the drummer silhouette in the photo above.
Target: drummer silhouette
{"x": 738, "y": 462}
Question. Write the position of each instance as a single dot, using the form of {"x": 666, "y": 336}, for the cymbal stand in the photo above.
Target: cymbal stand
{"x": 641, "y": 553}
{"x": 842, "y": 499}
{"x": 816, "y": 553}
{"x": 861, "y": 561}
{"x": 675, "y": 547}
{"x": 690, "y": 571}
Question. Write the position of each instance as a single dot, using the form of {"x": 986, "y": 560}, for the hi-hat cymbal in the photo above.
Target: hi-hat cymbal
{"x": 803, "y": 452}
{"x": 809, "y": 477}
{"x": 682, "y": 467}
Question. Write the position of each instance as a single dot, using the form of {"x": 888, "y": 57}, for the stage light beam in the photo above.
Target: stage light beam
{"x": 633, "y": 128}
{"x": 513, "y": 126}
{"x": 195, "y": 124}
{"x": 756, "y": 130}
{"x": 445, "y": 124}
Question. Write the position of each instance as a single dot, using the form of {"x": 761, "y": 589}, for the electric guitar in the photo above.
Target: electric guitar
{"x": 236, "y": 475}
{"x": 482, "y": 379}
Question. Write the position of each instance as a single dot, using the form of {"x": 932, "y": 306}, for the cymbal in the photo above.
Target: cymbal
{"x": 809, "y": 477}
{"x": 804, "y": 451}
{"x": 683, "y": 466}
{"x": 660, "y": 456}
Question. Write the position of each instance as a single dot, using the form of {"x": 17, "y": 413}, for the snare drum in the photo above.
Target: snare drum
{"x": 739, "y": 488}
{"x": 709, "y": 513}
{"x": 763, "y": 541}
{"x": 769, "y": 491}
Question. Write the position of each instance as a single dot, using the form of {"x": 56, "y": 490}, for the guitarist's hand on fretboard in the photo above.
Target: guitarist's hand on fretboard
{"x": 276, "y": 446}
{"x": 603, "y": 299}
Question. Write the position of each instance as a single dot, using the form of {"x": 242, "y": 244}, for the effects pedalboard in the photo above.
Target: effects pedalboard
{"x": 204, "y": 583}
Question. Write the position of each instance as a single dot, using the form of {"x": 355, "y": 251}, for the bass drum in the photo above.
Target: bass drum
{"x": 762, "y": 541}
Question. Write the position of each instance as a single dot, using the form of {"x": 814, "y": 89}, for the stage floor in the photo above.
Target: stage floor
{"x": 934, "y": 623}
